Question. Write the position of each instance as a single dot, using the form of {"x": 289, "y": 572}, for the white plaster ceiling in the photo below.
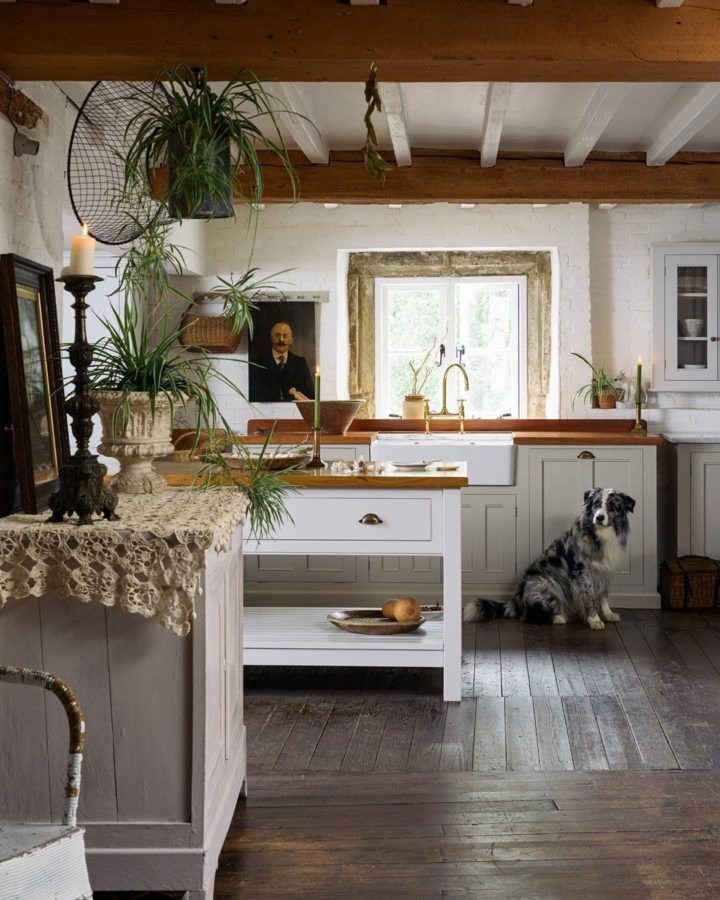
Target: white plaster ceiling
{"x": 538, "y": 117}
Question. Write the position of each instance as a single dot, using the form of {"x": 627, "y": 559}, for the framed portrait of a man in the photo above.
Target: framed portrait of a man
{"x": 282, "y": 352}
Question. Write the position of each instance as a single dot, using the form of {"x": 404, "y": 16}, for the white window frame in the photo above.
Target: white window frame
{"x": 449, "y": 283}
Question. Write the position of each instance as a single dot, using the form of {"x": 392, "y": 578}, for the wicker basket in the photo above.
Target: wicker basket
{"x": 690, "y": 582}
{"x": 213, "y": 333}
{"x": 183, "y": 439}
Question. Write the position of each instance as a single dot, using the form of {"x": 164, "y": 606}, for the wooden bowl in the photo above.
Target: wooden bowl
{"x": 371, "y": 621}
{"x": 335, "y": 415}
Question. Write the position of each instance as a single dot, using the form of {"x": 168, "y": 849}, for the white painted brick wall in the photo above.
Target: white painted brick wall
{"x": 315, "y": 242}
{"x": 31, "y": 187}
{"x": 603, "y": 255}
{"x": 621, "y": 289}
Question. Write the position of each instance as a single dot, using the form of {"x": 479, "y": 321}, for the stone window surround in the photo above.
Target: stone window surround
{"x": 365, "y": 267}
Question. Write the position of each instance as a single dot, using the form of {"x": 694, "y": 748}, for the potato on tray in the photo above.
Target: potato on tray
{"x": 402, "y": 609}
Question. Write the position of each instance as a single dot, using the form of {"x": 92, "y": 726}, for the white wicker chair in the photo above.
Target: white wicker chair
{"x": 39, "y": 862}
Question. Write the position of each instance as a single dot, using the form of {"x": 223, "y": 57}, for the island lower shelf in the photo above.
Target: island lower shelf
{"x": 302, "y": 636}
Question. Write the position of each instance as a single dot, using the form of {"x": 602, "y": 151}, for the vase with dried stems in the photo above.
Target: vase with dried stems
{"x": 413, "y": 406}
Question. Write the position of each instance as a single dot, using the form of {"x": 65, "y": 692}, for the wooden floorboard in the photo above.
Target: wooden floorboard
{"x": 603, "y": 835}
{"x": 643, "y": 694}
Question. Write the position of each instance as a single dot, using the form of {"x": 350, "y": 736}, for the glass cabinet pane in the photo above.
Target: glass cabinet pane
{"x": 692, "y": 317}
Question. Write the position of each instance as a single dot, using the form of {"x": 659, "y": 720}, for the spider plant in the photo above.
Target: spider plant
{"x": 266, "y": 493}
{"x": 139, "y": 355}
{"x": 600, "y": 386}
{"x": 210, "y": 141}
{"x": 237, "y": 294}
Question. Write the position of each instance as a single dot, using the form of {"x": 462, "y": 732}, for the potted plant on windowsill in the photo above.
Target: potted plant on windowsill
{"x": 601, "y": 387}
{"x": 205, "y": 143}
{"x": 413, "y": 406}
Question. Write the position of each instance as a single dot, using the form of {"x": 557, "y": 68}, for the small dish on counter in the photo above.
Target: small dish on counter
{"x": 280, "y": 460}
{"x": 414, "y": 466}
{"x": 371, "y": 621}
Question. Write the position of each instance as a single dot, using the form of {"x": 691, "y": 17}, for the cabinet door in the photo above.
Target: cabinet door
{"x": 299, "y": 568}
{"x": 405, "y": 570}
{"x": 558, "y": 481}
{"x": 621, "y": 468}
{"x": 705, "y": 504}
{"x": 488, "y": 538}
{"x": 559, "y": 478}
{"x": 691, "y": 318}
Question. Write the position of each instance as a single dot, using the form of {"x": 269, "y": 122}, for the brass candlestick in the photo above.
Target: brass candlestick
{"x": 316, "y": 462}
{"x": 640, "y": 426}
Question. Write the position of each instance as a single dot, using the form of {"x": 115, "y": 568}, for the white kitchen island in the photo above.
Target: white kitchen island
{"x": 398, "y": 513}
{"x": 394, "y": 512}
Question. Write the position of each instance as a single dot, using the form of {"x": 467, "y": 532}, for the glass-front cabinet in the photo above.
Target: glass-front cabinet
{"x": 685, "y": 313}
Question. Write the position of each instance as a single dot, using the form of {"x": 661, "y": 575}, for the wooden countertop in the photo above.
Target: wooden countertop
{"x": 586, "y": 437}
{"x": 524, "y": 431}
{"x": 305, "y": 437}
{"x": 182, "y": 475}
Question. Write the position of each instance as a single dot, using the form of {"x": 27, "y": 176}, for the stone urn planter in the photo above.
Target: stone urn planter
{"x": 135, "y": 435}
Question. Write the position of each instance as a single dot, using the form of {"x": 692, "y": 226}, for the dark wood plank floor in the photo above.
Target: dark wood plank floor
{"x": 497, "y": 835}
{"x": 365, "y": 782}
{"x": 643, "y": 694}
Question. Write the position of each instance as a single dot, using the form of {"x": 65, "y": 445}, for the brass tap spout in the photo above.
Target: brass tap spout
{"x": 445, "y": 412}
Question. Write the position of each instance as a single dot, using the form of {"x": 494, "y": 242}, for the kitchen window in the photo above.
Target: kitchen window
{"x": 480, "y": 321}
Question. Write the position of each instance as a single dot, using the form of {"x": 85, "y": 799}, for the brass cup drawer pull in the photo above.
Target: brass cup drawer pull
{"x": 585, "y": 454}
{"x": 370, "y": 519}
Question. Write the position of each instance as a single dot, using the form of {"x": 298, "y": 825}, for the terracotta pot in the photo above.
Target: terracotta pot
{"x": 607, "y": 400}
{"x": 135, "y": 439}
{"x": 413, "y": 407}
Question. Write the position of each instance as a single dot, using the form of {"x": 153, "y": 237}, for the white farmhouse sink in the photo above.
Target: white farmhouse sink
{"x": 490, "y": 456}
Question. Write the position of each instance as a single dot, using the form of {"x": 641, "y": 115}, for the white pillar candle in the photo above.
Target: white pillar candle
{"x": 82, "y": 253}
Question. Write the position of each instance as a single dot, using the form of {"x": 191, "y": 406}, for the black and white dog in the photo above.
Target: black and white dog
{"x": 571, "y": 579}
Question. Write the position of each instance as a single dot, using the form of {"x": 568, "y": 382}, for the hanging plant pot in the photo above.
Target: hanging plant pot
{"x": 189, "y": 173}
{"x": 205, "y": 327}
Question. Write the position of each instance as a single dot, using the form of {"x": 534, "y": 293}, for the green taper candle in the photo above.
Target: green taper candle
{"x": 316, "y": 422}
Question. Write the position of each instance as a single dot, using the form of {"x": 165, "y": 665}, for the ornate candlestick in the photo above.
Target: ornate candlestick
{"x": 81, "y": 488}
{"x": 316, "y": 462}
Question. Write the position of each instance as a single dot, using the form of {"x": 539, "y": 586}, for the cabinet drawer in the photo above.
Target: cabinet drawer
{"x": 338, "y": 519}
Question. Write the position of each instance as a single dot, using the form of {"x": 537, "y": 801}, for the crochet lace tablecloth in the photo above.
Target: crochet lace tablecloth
{"x": 149, "y": 562}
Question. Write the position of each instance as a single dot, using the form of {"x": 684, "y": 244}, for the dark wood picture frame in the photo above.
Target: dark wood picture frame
{"x": 38, "y": 429}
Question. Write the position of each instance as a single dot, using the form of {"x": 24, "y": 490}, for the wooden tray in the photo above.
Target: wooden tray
{"x": 370, "y": 621}
{"x": 271, "y": 462}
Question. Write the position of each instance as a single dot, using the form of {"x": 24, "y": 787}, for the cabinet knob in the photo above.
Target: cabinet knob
{"x": 370, "y": 519}
{"x": 713, "y": 338}
{"x": 585, "y": 454}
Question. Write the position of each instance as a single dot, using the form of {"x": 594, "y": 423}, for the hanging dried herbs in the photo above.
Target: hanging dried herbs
{"x": 374, "y": 163}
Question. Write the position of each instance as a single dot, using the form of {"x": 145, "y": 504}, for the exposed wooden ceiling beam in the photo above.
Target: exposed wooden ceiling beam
{"x": 691, "y": 108}
{"x": 304, "y": 132}
{"x": 324, "y": 40}
{"x": 497, "y": 100}
{"x": 457, "y": 176}
{"x": 602, "y": 106}
{"x": 394, "y": 109}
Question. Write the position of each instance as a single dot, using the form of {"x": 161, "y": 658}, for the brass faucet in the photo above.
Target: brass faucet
{"x": 445, "y": 412}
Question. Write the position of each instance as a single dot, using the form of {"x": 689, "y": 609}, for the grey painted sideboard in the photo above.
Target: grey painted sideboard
{"x": 165, "y": 755}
